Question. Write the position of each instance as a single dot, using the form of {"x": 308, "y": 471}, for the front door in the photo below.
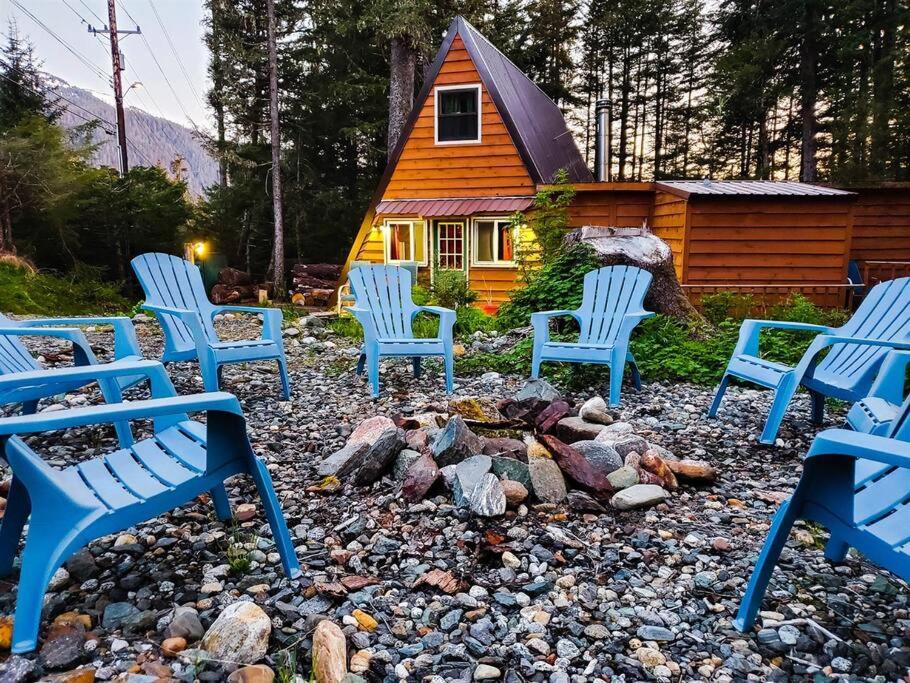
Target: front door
{"x": 449, "y": 245}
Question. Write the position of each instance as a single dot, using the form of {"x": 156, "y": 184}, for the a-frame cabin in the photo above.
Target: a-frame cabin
{"x": 479, "y": 140}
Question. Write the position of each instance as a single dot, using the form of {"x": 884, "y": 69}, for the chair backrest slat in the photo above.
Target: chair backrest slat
{"x": 610, "y": 293}
{"x": 14, "y": 357}
{"x": 386, "y": 292}
{"x": 884, "y": 314}
{"x": 175, "y": 283}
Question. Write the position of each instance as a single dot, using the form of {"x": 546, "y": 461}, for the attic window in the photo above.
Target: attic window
{"x": 458, "y": 114}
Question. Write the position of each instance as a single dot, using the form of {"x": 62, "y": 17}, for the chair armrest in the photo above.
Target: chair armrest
{"x": 161, "y": 386}
{"x": 108, "y": 413}
{"x": 890, "y": 380}
{"x": 543, "y": 315}
{"x": 540, "y": 322}
{"x": 125, "y": 342}
{"x": 630, "y": 320}
{"x": 446, "y": 320}
{"x": 749, "y": 332}
{"x": 184, "y": 314}
{"x": 365, "y": 317}
{"x": 82, "y": 350}
{"x": 271, "y": 318}
{"x": 831, "y": 339}
{"x": 848, "y": 443}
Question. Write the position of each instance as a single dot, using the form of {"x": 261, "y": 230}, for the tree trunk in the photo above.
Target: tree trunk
{"x": 882, "y": 84}
{"x": 280, "y": 288}
{"x": 217, "y": 95}
{"x": 401, "y": 88}
{"x": 808, "y": 58}
{"x": 641, "y": 248}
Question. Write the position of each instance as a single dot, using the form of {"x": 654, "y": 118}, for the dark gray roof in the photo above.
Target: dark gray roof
{"x": 536, "y": 124}
{"x": 748, "y": 188}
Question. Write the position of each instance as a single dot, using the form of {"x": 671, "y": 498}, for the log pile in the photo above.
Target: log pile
{"x": 314, "y": 283}
{"x": 234, "y": 286}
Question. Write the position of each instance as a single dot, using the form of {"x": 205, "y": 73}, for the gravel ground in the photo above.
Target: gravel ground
{"x": 634, "y": 595}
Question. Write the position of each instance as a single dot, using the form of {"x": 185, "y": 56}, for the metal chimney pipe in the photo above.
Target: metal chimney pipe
{"x": 601, "y": 152}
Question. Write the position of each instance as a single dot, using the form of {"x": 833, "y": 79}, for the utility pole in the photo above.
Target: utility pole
{"x": 117, "y": 64}
{"x": 278, "y": 246}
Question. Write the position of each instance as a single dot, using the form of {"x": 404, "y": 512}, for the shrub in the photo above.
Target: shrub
{"x": 451, "y": 289}
{"x": 25, "y": 292}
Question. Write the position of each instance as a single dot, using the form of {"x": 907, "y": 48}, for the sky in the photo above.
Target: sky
{"x": 165, "y": 91}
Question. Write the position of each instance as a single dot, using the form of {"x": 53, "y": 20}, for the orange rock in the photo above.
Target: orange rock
{"x": 86, "y": 675}
{"x": 693, "y": 470}
{"x": 72, "y": 618}
{"x": 366, "y": 622}
{"x": 172, "y": 646}
{"x": 6, "y": 633}
{"x": 652, "y": 462}
{"x": 330, "y": 659}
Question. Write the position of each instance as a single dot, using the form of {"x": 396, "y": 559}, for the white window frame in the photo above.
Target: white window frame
{"x": 466, "y": 86}
{"x": 386, "y": 234}
{"x": 475, "y": 239}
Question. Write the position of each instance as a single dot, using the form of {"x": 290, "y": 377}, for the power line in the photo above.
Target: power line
{"x": 60, "y": 40}
{"x": 91, "y": 11}
{"x": 174, "y": 52}
{"x": 92, "y": 117}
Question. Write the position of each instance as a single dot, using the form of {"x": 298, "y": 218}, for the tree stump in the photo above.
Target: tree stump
{"x": 640, "y": 247}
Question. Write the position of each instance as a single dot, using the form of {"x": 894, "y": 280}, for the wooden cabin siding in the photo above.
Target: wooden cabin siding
{"x": 371, "y": 249}
{"x": 669, "y": 223}
{"x": 492, "y": 167}
{"x": 493, "y": 283}
{"x": 616, "y": 209}
{"x": 881, "y": 229}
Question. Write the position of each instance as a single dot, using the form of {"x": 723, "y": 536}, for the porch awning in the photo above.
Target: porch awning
{"x": 438, "y": 208}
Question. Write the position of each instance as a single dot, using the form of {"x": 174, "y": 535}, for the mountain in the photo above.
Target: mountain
{"x": 152, "y": 139}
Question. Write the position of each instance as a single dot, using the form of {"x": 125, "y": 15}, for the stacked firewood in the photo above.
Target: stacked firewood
{"x": 314, "y": 283}
{"x": 234, "y": 286}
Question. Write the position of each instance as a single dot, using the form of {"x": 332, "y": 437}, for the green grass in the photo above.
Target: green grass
{"x": 23, "y": 292}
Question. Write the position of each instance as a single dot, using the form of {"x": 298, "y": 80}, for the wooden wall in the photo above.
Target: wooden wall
{"x": 669, "y": 223}
{"x": 490, "y": 168}
{"x": 611, "y": 208}
{"x": 881, "y": 228}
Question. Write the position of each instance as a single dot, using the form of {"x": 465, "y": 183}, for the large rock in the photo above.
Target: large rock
{"x": 515, "y": 492}
{"x": 623, "y": 478}
{"x": 468, "y": 474}
{"x": 571, "y": 429}
{"x": 371, "y": 429}
{"x": 603, "y": 458}
{"x": 515, "y": 470}
{"x": 505, "y": 447}
{"x": 380, "y": 457}
{"x": 639, "y": 496}
{"x": 488, "y": 499}
{"x": 336, "y": 461}
{"x": 615, "y": 431}
{"x": 695, "y": 471}
{"x": 538, "y": 390}
{"x": 550, "y": 416}
{"x": 330, "y": 658}
{"x": 547, "y": 480}
{"x": 403, "y": 462}
{"x": 419, "y": 479}
{"x": 455, "y": 443}
{"x": 595, "y": 410}
{"x": 620, "y": 437}
{"x": 476, "y": 409}
{"x": 240, "y": 634}
{"x": 581, "y": 502}
{"x": 185, "y": 623}
{"x": 575, "y": 467}
{"x": 653, "y": 463}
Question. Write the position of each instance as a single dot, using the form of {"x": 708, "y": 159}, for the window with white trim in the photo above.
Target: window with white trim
{"x": 494, "y": 242}
{"x": 458, "y": 114}
{"x": 405, "y": 240}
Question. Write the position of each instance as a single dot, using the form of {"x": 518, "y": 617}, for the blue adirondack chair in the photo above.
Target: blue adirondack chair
{"x": 612, "y": 305}
{"x": 875, "y": 413}
{"x": 18, "y": 367}
{"x": 384, "y": 308}
{"x": 855, "y": 485}
{"x": 175, "y": 294}
{"x": 68, "y": 508}
{"x": 855, "y": 352}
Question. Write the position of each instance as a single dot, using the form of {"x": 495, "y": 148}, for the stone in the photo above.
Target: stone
{"x": 419, "y": 479}
{"x": 371, "y": 429}
{"x": 64, "y": 650}
{"x": 576, "y": 467}
{"x": 656, "y": 633}
{"x": 83, "y": 675}
{"x": 623, "y": 478}
{"x": 546, "y": 480}
{"x": 476, "y": 409}
{"x": 582, "y": 502}
{"x": 639, "y": 496}
{"x": 360, "y": 661}
{"x": 185, "y": 623}
{"x": 625, "y": 444}
{"x": 615, "y": 431}
{"x": 654, "y": 464}
{"x": 602, "y": 457}
{"x": 695, "y": 471}
{"x": 365, "y": 621}
{"x": 258, "y": 673}
{"x": 81, "y": 565}
{"x": 507, "y": 468}
{"x": 572, "y": 429}
{"x": 538, "y": 389}
{"x": 172, "y": 646}
{"x": 380, "y": 456}
{"x": 594, "y": 410}
{"x": 550, "y": 416}
{"x": 505, "y": 447}
{"x": 403, "y": 462}
{"x": 486, "y": 672}
{"x": 6, "y": 633}
{"x": 239, "y": 634}
{"x": 515, "y": 492}
{"x": 455, "y": 443}
{"x": 468, "y": 474}
{"x": 245, "y": 512}
{"x": 330, "y": 466}
{"x": 488, "y": 499}
{"x": 16, "y": 669}
{"x": 116, "y": 613}
{"x": 330, "y": 659}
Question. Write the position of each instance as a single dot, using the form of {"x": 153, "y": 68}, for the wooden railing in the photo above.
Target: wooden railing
{"x": 879, "y": 271}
